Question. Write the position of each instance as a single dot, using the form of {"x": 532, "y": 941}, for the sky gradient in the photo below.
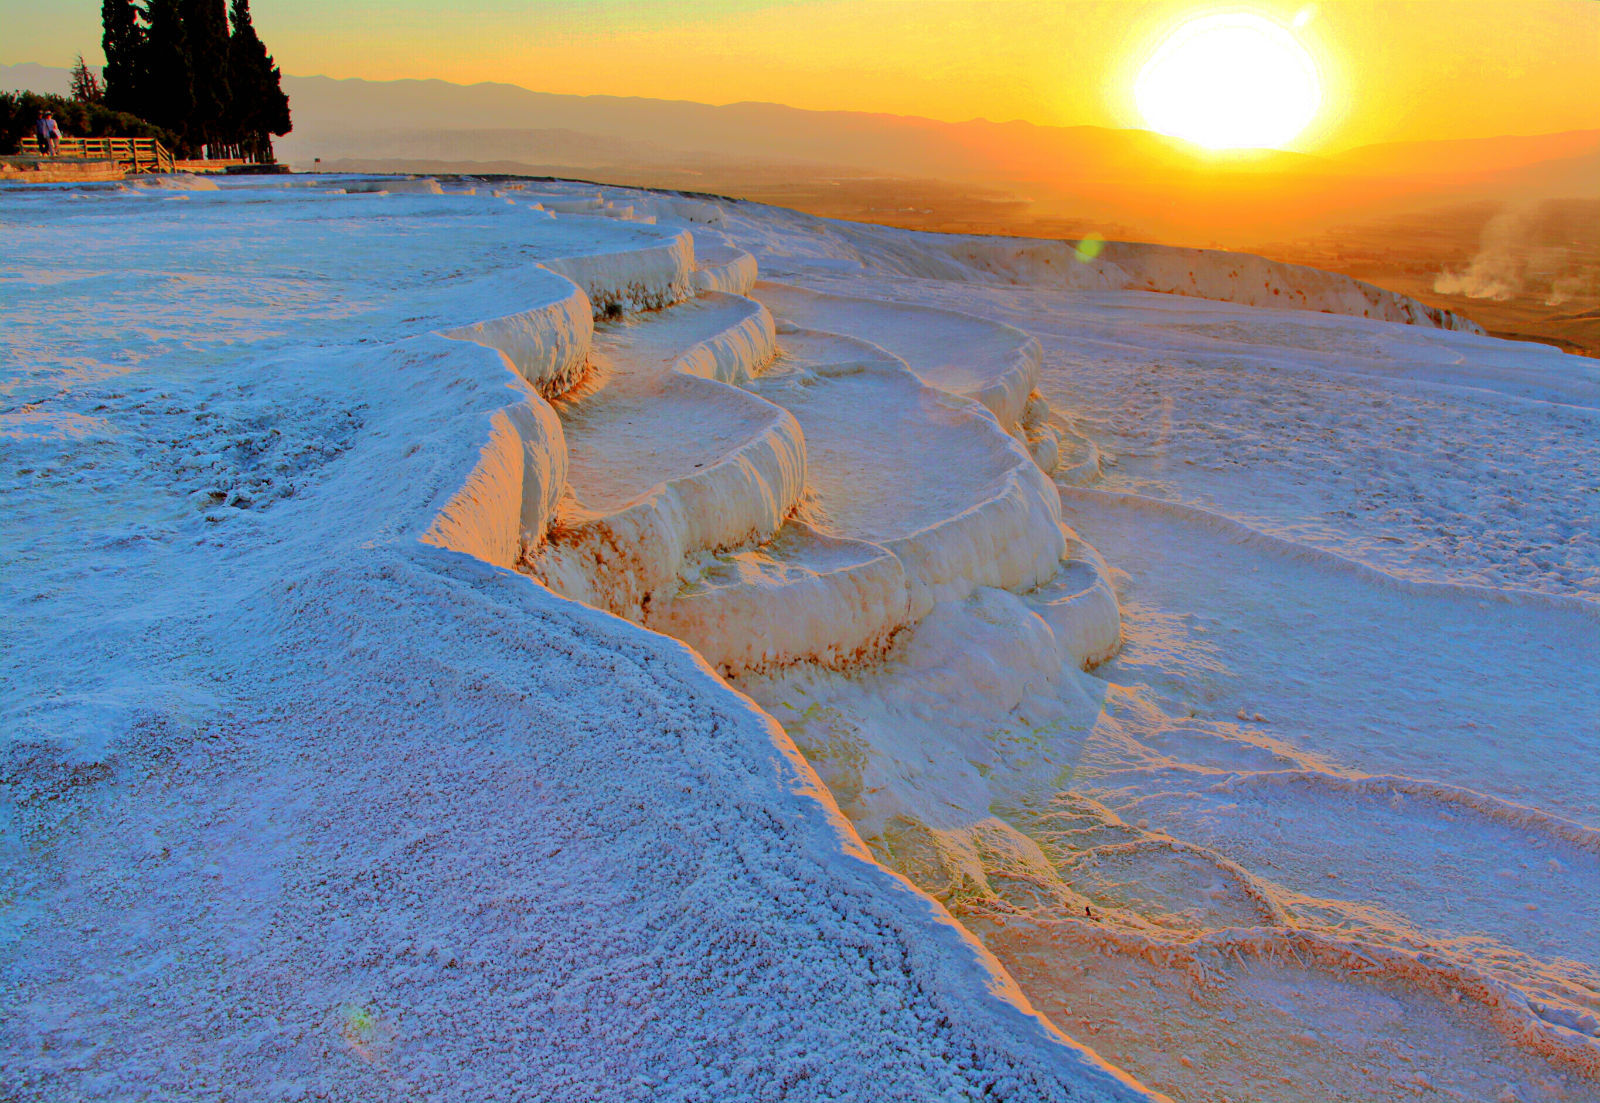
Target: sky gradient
{"x": 1392, "y": 70}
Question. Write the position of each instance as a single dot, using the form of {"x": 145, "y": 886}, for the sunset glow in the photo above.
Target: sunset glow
{"x": 1230, "y": 81}
{"x": 1388, "y": 71}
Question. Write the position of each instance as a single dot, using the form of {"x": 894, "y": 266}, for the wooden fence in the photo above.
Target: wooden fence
{"x": 135, "y": 154}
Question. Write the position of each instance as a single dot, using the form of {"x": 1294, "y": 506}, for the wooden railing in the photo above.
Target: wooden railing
{"x": 136, "y": 154}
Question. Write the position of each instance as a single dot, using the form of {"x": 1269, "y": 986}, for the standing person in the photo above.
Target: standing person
{"x": 41, "y": 131}
{"x": 52, "y": 134}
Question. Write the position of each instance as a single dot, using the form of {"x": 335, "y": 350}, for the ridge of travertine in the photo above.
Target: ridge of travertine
{"x": 818, "y": 634}
{"x": 627, "y": 549}
{"x": 640, "y": 548}
{"x": 995, "y": 364}
{"x": 1213, "y": 274}
{"x": 722, "y": 536}
{"x": 857, "y": 497}
{"x": 309, "y": 808}
{"x": 509, "y": 500}
{"x": 871, "y": 427}
{"x": 819, "y": 588}
{"x": 1011, "y": 635}
{"x": 645, "y": 498}
{"x": 669, "y": 460}
{"x": 388, "y": 809}
{"x": 847, "y": 617}
{"x": 724, "y": 268}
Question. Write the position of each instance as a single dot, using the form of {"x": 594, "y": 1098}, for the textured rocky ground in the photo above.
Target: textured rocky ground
{"x": 1203, "y": 680}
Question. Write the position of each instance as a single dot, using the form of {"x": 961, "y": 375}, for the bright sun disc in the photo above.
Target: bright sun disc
{"x": 1229, "y": 81}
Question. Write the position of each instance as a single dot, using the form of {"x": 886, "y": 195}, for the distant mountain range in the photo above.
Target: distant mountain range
{"x": 1133, "y": 178}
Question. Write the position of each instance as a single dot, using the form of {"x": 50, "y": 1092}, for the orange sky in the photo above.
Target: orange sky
{"x": 1392, "y": 70}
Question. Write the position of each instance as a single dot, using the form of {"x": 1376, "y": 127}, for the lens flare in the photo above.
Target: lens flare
{"x": 1090, "y": 247}
{"x": 1230, "y": 81}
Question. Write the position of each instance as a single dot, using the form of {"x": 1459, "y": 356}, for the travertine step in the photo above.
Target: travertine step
{"x": 666, "y": 459}
{"x": 914, "y": 496}
{"x": 995, "y": 364}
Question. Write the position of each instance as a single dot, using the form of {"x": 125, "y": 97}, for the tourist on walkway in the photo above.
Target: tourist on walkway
{"x": 49, "y": 134}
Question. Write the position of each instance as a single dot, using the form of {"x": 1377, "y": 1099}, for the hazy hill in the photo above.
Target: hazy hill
{"x": 44, "y": 79}
{"x": 1127, "y": 176}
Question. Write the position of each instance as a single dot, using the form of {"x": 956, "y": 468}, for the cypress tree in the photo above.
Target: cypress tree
{"x": 177, "y": 64}
{"x": 260, "y": 108}
{"x": 123, "y": 40}
{"x": 205, "y": 31}
{"x": 170, "y": 91}
{"x": 86, "y": 87}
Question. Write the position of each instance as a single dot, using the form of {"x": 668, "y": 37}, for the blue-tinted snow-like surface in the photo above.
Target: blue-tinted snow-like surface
{"x": 101, "y": 281}
{"x": 295, "y": 807}
{"x": 1329, "y": 825}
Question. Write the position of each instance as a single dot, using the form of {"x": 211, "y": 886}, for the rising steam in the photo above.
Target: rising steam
{"x": 1515, "y": 258}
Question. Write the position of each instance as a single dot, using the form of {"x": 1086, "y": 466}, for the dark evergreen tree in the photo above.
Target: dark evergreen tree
{"x": 260, "y": 108}
{"x": 86, "y": 87}
{"x": 170, "y": 87}
{"x": 123, "y": 39}
{"x": 177, "y": 64}
{"x": 205, "y": 31}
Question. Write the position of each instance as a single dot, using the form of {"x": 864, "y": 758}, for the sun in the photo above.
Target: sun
{"x": 1230, "y": 81}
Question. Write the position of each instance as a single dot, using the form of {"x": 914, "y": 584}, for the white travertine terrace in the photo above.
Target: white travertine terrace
{"x": 724, "y": 268}
{"x": 915, "y": 517}
{"x": 1214, "y": 274}
{"x": 996, "y": 364}
{"x": 634, "y": 279}
{"x": 843, "y": 505}
{"x": 364, "y": 475}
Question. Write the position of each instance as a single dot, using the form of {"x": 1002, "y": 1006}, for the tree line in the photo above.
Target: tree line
{"x": 198, "y": 70}
{"x": 77, "y": 117}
